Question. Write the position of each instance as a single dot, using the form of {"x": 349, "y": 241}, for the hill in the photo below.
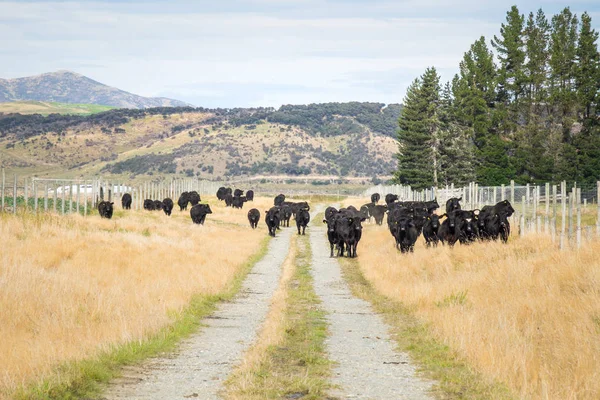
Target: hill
{"x": 70, "y": 87}
{"x": 47, "y": 108}
{"x": 339, "y": 139}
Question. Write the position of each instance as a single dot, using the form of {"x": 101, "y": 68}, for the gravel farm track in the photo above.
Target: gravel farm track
{"x": 365, "y": 363}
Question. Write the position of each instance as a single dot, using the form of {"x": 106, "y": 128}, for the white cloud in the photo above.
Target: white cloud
{"x": 294, "y": 51}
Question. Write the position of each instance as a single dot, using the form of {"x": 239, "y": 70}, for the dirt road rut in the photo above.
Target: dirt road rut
{"x": 203, "y": 362}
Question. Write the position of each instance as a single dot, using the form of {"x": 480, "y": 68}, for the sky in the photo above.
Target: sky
{"x": 247, "y": 53}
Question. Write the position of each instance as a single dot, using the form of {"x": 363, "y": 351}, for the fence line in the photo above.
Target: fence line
{"x": 536, "y": 206}
{"x": 65, "y": 196}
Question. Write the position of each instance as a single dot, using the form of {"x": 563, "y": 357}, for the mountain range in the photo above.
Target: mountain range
{"x": 71, "y": 87}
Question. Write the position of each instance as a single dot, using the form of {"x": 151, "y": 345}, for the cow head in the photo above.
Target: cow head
{"x": 435, "y": 221}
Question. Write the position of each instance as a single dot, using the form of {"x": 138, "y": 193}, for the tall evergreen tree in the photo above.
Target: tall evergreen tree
{"x": 510, "y": 48}
{"x": 456, "y": 148}
{"x": 587, "y": 73}
{"x": 475, "y": 92}
{"x": 563, "y": 49}
{"x": 418, "y": 133}
{"x": 537, "y": 34}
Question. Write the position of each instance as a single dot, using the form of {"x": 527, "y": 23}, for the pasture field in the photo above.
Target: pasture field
{"x": 523, "y": 314}
{"x": 49, "y": 107}
{"x": 75, "y": 287}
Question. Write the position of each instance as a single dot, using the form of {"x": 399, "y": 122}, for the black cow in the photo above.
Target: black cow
{"x": 221, "y": 192}
{"x": 469, "y": 232}
{"x": 450, "y": 229}
{"x": 105, "y": 209}
{"x": 158, "y": 205}
{"x": 365, "y": 212}
{"x": 285, "y": 215}
{"x": 279, "y": 199}
{"x": 228, "y": 200}
{"x": 431, "y": 206}
{"x": 498, "y": 226}
{"x": 302, "y": 220}
{"x": 183, "y": 201}
{"x": 253, "y": 217}
{"x": 250, "y": 195}
{"x": 349, "y": 232}
{"x": 329, "y": 212}
{"x": 375, "y": 198}
{"x": 405, "y": 233}
{"x": 390, "y": 198}
{"x": 194, "y": 198}
{"x": 493, "y": 221}
{"x": 167, "y": 206}
{"x": 238, "y": 202}
{"x": 332, "y": 236}
{"x": 453, "y": 204}
{"x": 272, "y": 219}
{"x": 431, "y": 229}
{"x": 126, "y": 201}
{"x": 148, "y": 205}
{"x": 199, "y": 212}
{"x": 378, "y": 213}
{"x": 238, "y": 193}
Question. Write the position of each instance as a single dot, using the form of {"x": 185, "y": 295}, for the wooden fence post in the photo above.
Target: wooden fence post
{"x": 578, "y": 191}
{"x": 15, "y": 196}
{"x": 35, "y": 196}
{"x": 26, "y": 194}
{"x": 547, "y": 189}
{"x": 3, "y": 187}
{"x": 85, "y": 198}
{"x": 63, "y": 198}
{"x": 512, "y": 192}
{"x": 523, "y": 222}
{"x": 46, "y": 196}
{"x": 77, "y": 198}
{"x": 598, "y": 208}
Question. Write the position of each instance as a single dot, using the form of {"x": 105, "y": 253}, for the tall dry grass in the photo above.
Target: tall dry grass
{"x": 71, "y": 286}
{"x": 524, "y": 313}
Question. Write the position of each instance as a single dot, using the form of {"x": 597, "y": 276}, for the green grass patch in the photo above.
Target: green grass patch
{"x": 455, "y": 378}
{"x": 84, "y": 378}
{"x": 49, "y": 107}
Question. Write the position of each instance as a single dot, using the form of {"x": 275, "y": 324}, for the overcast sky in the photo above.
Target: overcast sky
{"x": 230, "y": 53}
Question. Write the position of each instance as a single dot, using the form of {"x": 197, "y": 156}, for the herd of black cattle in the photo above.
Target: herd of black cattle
{"x": 406, "y": 220}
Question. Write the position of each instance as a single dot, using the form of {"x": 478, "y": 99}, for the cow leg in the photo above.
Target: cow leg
{"x": 331, "y": 249}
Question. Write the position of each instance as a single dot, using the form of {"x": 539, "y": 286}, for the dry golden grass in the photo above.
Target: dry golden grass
{"x": 525, "y": 313}
{"x": 72, "y": 286}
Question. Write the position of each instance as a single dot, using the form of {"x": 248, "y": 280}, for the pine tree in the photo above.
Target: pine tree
{"x": 418, "y": 133}
{"x": 475, "y": 92}
{"x": 587, "y": 73}
{"x": 456, "y": 148}
{"x": 510, "y": 49}
{"x": 563, "y": 49}
{"x": 537, "y": 34}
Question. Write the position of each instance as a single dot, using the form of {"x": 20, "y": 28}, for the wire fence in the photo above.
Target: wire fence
{"x": 568, "y": 212}
{"x": 67, "y": 196}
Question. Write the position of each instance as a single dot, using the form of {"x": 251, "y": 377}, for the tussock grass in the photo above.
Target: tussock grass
{"x": 524, "y": 314}
{"x": 79, "y": 296}
{"x": 289, "y": 357}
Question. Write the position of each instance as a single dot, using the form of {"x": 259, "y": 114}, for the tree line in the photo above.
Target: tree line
{"x": 523, "y": 106}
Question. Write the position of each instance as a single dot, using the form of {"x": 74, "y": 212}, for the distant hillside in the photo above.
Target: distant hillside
{"x": 47, "y": 108}
{"x": 341, "y": 139}
{"x": 70, "y": 87}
